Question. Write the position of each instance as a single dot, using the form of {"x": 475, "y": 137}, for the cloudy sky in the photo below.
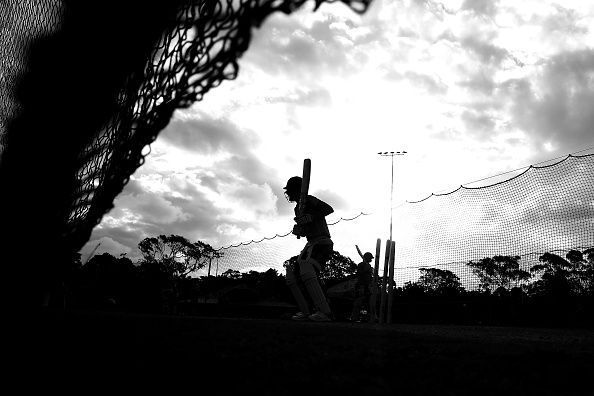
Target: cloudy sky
{"x": 469, "y": 88}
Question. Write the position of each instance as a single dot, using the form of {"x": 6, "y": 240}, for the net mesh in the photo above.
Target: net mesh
{"x": 21, "y": 23}
{"x": 85, "y": 87}
{"x": 545, "y": 208}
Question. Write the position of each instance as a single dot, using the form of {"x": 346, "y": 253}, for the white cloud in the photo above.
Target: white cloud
{"x": 554, "y": 107}
{"x": 468, "y": 88}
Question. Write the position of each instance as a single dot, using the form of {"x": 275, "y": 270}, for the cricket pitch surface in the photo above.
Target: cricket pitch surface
{"x": 233, "y": 355}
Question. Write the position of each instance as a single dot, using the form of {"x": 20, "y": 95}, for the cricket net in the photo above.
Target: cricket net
{"x": 548, "y": 208}
{"x": 85, "y": 87}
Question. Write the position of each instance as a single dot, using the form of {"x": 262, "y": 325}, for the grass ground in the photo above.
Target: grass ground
{"x": 279, "y": 357}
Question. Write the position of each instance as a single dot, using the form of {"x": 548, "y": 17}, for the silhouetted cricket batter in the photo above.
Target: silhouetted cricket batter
{"x": 310, "y": 223}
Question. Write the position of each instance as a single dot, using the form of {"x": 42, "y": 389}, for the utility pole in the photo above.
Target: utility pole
{"x": 92, "y": 253}
{"x": 391, "y": 154}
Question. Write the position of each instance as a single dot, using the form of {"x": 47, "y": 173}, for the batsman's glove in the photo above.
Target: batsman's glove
{"x": 303, "y": 219}
{"x": 298, "y": 230}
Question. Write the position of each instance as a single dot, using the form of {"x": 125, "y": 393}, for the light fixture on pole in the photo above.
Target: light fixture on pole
{"x": 391, "y": 154}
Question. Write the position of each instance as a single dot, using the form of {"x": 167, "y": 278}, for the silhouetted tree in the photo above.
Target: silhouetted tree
{"x": 498, "y": 272}
{"x": 564, "y": 276}
{"x": 267, "y": 284}
{"x": 554, "y": 280}
{"x": 251, "y": 275}
{"x": 271, "y": 273}
{"x": 231, "y": 274}
{"x": 337, "y": 267}
{"x": 176, "y": 254}
{"x": 108, "y": 279}
{"x": 411, "y": 289}
{"x": 272, "y": 284}
{"x": 582, "y": 272}
{"x": 589, "y": 271}
{"x": 438, "y": 282}
{"x": 155, "y": 286}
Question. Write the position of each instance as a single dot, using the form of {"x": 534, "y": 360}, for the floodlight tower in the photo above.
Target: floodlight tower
{"x": 391, "y": 154}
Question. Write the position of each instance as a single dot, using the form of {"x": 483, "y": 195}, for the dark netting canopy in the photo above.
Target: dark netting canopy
{"x": 84, "y": 88}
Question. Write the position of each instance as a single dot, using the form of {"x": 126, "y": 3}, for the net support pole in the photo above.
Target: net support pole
{"x": 373, "y": 299}
{"x": 207, "y": 282}
{"x": 391, "y": 280}
{"x": 382, "y": 313}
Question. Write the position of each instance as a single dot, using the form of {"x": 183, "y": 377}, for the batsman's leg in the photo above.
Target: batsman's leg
{"x": 291, "y": 280}
{"x": 312, "y": 285}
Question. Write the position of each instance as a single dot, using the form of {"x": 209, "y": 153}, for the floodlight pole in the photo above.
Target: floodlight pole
{"x": 391, "y": 154}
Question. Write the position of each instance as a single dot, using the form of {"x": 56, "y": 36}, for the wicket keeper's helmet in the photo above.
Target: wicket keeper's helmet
{"x": 368, "y": 256}
{"x": 293, "y": 184}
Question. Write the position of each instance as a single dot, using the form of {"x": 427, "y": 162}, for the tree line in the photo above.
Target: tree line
{"x": 161, "y": 279}
{"x": 553, "y": 276}
{"x": 154, "y": 282}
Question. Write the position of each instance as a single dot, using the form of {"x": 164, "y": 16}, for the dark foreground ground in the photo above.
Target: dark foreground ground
{"x": 263, "y": 356}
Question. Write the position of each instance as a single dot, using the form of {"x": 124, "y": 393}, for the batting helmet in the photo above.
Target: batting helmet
{"x": 294, "y": 184}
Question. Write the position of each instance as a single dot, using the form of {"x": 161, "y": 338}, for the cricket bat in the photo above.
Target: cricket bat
{"x": 304, "y": 185}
